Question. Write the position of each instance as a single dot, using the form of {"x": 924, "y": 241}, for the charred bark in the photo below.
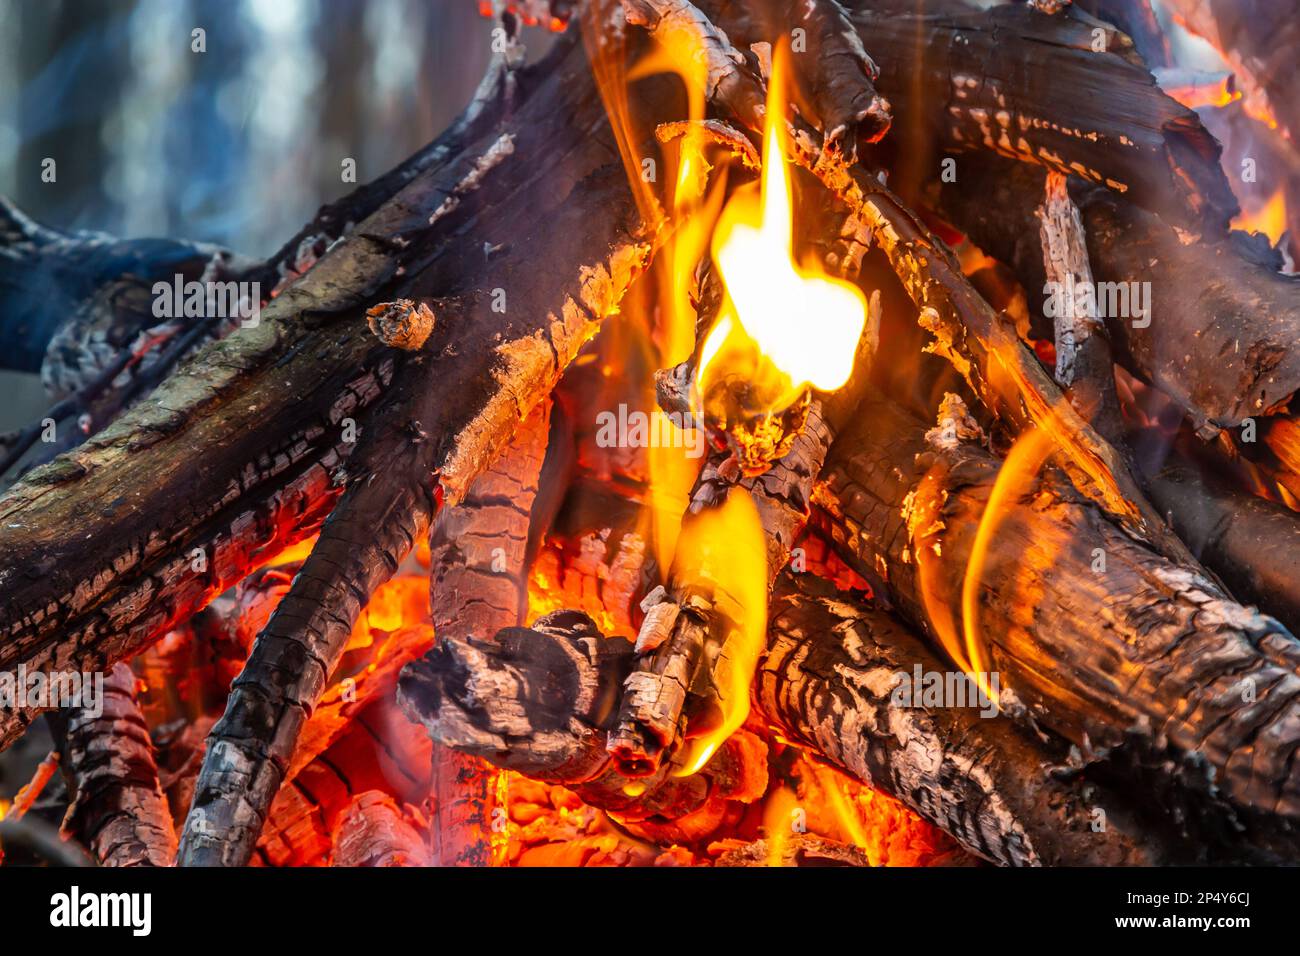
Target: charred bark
{"x": 544, "y": 701}
{"x": 1140, "y": 662}
{"x": 449, "y": 417}
{"x": 118, "y": 809}
{"x": 255, "y": 386}
{"x": 1253, "y": 544}
{"x": 1220, "y": 332}
{"x": 478, "y": 585}
{"x": 1035, "y": 88}
{"x": 830, "y": 680}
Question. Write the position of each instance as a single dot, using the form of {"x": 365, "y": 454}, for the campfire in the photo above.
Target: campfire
{"x": 754, "y": 434}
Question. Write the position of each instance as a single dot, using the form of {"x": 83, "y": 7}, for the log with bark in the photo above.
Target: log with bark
{"x": 1141, "y": 663}
{"x": 1219, "y": 337}
{"x": 118, "y": 809}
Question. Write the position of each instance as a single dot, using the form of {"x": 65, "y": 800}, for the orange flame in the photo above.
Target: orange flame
{"x": 1269, "y": 218}
{"x": 778, "y": 822}
{"x": 724, "y": 552}
{"x": 1022, "y": 463}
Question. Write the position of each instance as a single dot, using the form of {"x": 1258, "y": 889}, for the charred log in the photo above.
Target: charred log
{"x": 1038, "y": 89}
{"x": 221, "y": 404}
{"x": 1138, "y": 661}
{"x": 830, "y": 680}
{"x": 478, "y": 586}
{"x": 1253, "y": 544}
{"x": 118, "y": 809}
{"x": 543, "y": 702}
{"x": 1218, "y": 335}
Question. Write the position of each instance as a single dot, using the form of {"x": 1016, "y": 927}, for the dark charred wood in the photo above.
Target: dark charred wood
{"x": 834, "y": 75}
{"x": 542, "y": 702}
{"x": 1032, "y": 87}
{"x": 478, "y": 585}
{"x": 1253, "y": 544}
{"x": 1221, "y": 335}
{"x": 1141, "y": 663}
{"x": 118, "y": 809}
{"x": 377, "y": 521}
{"x": 252, "y": 388}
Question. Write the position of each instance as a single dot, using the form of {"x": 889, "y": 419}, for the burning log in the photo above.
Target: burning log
{"x": 118, "y": 809}
{"x": 830, "y": 680}
{"x": 834, "y": 74}
{"x": 1084, "y": 367}
{"x": 689, "y": 624}
{"x": 374, "y": 832}
{"x": 997, "y": 366}
{"x": 285, "y": 388}
{"x": 542, "y": 702}
{"x": 478, "y": 586}
{"x": 799, "y": 849}
{"x": 1180, "y": 688}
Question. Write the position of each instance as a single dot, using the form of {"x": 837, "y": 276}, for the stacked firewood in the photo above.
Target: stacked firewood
{"x": 1087, "y": 516}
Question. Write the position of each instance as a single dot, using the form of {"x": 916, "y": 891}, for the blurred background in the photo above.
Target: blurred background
{"x": 238, "y": 145}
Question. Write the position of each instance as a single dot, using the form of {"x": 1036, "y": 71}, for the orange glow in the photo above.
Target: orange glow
{"x": 1283, "y": 438}
{"x": 295, "y": 553}
{"x": 1269, "y": 218}
{"x": 845, "y": 816}
{"x": 782, "y": 328}
{"x": 724, "y": 553}
{"x": 842, "y": 808}
{"x": 402, "y": 600}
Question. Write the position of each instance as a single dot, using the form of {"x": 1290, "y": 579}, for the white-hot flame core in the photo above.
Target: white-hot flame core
{"x": 806, "y": 324}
